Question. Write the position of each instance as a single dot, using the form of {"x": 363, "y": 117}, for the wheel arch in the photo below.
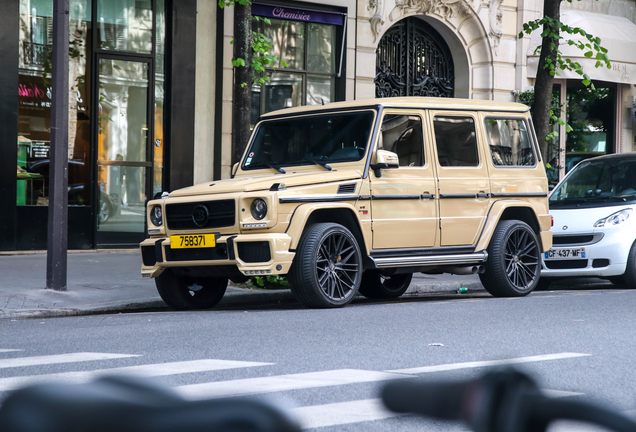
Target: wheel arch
{"x": 343, "y": 214}
{"x": 508, "y": 210}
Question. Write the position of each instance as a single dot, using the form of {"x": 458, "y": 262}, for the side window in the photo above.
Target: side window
{"x": 509, "y": 142}
{"x": 402, "y": 135}
{"x": 456, "y": 141}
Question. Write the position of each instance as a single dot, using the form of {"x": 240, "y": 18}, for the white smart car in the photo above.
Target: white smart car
{"x": 594, "y": 225}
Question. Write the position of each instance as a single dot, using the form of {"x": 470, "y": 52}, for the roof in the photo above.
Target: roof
{"x": 410, "y": 102}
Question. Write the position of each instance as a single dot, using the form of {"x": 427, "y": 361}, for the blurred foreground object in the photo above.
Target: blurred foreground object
{"x": 499, "y": 401}
{"x": 132, "y": 404}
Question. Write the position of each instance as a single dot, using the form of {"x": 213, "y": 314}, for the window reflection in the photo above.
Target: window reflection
{"x": 34, "y": 111}
{"x": 125, "y": 25}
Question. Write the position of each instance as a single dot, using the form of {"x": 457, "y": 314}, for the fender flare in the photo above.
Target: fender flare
{"x": 494, "y": 216}
{"x": 304, "y": 211}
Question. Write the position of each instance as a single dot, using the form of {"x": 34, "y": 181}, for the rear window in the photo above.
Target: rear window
{"x": 509, "y": 142}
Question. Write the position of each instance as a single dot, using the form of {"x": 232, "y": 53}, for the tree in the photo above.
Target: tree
{"x": 551, "y": 61}
{"x": 249, "y": 60}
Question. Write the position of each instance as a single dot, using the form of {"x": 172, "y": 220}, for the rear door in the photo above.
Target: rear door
{"x": 463, "y": 182}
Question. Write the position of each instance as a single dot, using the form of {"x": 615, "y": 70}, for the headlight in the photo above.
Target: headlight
{"x": 613, "y": 219}
{"x": 258, "y": 209}
{"x": 156, "y": 216}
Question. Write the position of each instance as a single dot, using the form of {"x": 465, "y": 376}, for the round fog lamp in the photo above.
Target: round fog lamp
{"x": 259, "y": 209}
{"x": 156, "y": 216}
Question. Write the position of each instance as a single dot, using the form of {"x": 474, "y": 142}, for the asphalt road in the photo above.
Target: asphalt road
{"x": 340, "y": 358}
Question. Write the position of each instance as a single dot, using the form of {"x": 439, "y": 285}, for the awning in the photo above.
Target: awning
{"x": 617, "y": 34}
{"x": 297, "y": 14}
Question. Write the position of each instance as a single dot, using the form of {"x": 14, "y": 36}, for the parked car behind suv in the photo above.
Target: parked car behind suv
{"x": 594, "y": 226}
{"x": 357, "y": 196}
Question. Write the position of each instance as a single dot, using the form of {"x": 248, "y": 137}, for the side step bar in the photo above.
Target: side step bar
{"x": 430, "y": 260}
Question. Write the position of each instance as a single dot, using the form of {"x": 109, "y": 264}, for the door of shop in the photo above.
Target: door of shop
{"x": 124, "y": 153}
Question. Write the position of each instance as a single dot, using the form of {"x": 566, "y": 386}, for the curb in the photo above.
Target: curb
{"x": 235, "y": 297}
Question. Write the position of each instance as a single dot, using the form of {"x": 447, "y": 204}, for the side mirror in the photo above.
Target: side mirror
{"x": 384, "y": 160}
{"x": 235, "y": 169}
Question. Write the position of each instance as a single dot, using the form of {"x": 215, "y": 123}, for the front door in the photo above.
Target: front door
{"x": 403, "y": 206}
{"x": 124, "y": 157}
{"x": 464, "y": 185}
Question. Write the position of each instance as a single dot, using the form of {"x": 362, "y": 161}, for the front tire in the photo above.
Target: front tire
{"x": 327, "y": 269}
{"x": 375, "y": 285}
{"x": 514, "y": 260}
{"x": 189, "y": 293}
{"x": 629, "y": 277}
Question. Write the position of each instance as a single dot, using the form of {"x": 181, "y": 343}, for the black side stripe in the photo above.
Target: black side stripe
{"x": 458, "y": 195}
{"x": 519, "y": 195}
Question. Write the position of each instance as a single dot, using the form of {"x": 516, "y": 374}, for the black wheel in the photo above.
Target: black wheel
{"x": 188, "y": 293}
{"x": 514, "y": 260}
{"x": 375, "y": 285}
{"x": 629, "y": 278}
{"x": 105, "y": 211}
{"x": 327, "y": 269}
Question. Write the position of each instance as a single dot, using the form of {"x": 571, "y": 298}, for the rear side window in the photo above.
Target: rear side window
{"x": 509, "y": 142}
{"x": 456, "y": 141}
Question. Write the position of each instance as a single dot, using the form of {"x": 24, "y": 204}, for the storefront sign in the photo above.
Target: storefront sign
{"x": 295, "y": 14}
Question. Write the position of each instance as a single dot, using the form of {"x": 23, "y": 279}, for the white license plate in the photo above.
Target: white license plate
{"x": 565, "y": 253}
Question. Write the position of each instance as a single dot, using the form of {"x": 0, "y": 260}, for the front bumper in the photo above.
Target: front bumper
{"x": 613, "y": 248}
{"x": 247, "y": 252}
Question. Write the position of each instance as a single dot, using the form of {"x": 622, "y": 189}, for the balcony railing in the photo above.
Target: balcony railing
{"x": 36, "y": 54}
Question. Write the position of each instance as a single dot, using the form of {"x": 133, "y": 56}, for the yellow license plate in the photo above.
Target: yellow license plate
{"x": 192, "y": 241}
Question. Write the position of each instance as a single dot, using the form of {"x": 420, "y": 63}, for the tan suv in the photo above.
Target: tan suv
{"x": 357, "y": 196}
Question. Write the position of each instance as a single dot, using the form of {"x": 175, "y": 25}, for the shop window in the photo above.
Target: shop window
{"x": 34, "y": 111}
{"x": 456, "y": 141}
{"x": 402, "y": 135}
{"x": 591, "y": 115}
{"x": 309, "y": 50}
{"x": 124, "y": 25}
{"x": 509, "y": 142}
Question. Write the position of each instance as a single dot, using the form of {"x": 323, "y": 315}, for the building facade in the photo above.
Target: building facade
{"x": 151, "y": 89}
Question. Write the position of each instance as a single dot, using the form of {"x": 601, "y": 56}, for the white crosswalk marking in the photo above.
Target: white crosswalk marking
{"x": 282, "y": 383}
{"x": 342, "y": 413}
{"x": 151, "y": 370}
{"x": 334, "y": 414}
{"x": 59, "y": 358}
{"x": 488, "y": 363}
{"x": 9, "y": 350}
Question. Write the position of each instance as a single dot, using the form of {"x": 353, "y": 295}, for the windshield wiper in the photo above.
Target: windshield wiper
{"x": 269, "y": 165}
{"x": 317, "y": 162}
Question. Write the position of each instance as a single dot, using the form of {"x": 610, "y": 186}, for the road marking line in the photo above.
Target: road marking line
{"x": 9, "y": 350}
{"x": 488, "y": 363}
{"x": 342, "y": 413}
{"x": 151, "y": 370}
{"x": 335, "y": 414}
{"x": 277, "y": 383}
{"x": 59, "y": 358}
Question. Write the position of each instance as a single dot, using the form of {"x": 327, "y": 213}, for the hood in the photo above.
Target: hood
{"x": 264, "y": 182}
{"x": 582, "y": 220}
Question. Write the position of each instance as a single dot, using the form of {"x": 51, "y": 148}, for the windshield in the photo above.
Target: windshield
{"x": 333, "y": 137}
{"x": 598, "y": 181}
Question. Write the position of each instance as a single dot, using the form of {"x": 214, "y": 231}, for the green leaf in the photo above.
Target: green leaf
{"x": 589, "y": 54}
{"x": 586, "y": 82}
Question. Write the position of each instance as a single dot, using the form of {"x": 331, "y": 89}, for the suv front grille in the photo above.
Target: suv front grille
{"x": 220, "y": 214}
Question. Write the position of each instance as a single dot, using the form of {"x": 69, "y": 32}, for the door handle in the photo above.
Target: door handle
{"x": 482, "y": 194}
{"x": 427, "y": 195}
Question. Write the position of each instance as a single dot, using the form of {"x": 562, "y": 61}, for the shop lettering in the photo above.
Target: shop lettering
{"x": 297, "y": 15}
{"x": 33, "y": 91}
{"x": 623, "y": 70}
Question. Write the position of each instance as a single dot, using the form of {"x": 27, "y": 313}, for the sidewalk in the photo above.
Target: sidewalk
{"x": 111, "y": 282}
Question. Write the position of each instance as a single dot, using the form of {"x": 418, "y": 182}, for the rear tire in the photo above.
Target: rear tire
{"x": 377, "y": 286}
{"x": 327, "y": 268}
{"x": 514, "y": 260}
{"x": 189, "y": 293}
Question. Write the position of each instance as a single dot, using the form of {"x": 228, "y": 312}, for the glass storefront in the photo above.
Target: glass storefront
{"x": 34, "y": 112}
{"x": 308, "y": 48}
{"x": 116, "y": 117}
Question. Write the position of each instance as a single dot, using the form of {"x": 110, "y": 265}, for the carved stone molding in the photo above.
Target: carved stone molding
{"x": 495, "y": 19}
